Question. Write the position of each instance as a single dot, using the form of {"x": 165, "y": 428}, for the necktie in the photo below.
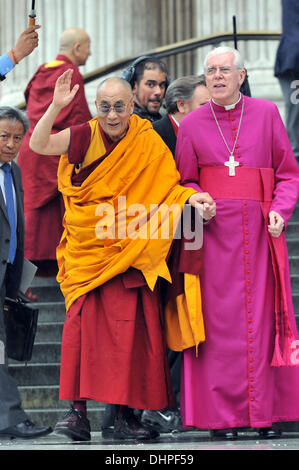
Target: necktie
{"x": 10, "y": 210}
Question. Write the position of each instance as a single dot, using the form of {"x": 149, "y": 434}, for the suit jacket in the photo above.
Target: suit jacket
{"x": 287, "y": 57}
{"x": 14, "y": 274}
{"x": 166, "y": 131}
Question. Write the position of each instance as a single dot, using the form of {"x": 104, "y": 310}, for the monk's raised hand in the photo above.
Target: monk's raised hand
{"x": 276, "y": 224}
{"x": 63, "y": 95}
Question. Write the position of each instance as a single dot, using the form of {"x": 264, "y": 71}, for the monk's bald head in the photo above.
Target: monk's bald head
{"x": 75, "y": 44}
{"x": 115, "y": 104}
{"x": 115, "y": 83}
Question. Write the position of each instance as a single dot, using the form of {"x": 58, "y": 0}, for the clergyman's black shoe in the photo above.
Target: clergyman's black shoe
{"x": 74, "y": 425}
{"x": 270, "y": 433}
{"x": 26, "y": 430}
{"x": 129, "y": 427}
{"x": 229, "y": 434}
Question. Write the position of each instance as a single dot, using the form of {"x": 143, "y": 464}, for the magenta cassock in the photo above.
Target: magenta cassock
{"x": 232, "y": 383}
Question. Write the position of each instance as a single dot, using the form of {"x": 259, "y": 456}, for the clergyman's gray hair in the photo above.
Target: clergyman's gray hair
{"x": 15, "y": 115}
{"x": 182, "y": 89}
{"x": 238, "y": 62}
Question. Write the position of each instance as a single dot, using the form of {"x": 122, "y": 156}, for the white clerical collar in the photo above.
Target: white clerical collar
{"x": 229, "y": 106}
{"x": 177, "y": 123}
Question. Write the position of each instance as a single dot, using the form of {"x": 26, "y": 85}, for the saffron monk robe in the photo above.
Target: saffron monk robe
{"x": 113, "y": 347}
{"x": 236, "y": 148}
{"x": 43, "y": 203}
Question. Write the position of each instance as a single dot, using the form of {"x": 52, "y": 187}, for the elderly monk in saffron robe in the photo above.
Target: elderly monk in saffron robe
{"x": 43, "y": 203}
{"x": 236, "y": 149}
{"x": 113, "y": 347}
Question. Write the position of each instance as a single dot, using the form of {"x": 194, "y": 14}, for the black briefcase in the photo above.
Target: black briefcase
{"x": 20, "y": 320}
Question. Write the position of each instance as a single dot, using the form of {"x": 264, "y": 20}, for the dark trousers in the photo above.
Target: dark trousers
{"x": 11, "y": 411}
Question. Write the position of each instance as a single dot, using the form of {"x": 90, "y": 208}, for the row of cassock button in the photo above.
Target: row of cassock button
{"x": 234, "y": 128}
{"x": 248, "y": 290}
{"x": 248, "y": 287}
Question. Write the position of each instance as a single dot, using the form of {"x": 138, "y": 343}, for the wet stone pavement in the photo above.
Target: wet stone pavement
{"x": 179, "y": 443}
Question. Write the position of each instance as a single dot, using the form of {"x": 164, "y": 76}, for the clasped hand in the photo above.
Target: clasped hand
{"x": 205, "y": 203}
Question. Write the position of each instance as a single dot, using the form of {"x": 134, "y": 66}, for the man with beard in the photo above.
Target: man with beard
{"x": 149, "y": 81}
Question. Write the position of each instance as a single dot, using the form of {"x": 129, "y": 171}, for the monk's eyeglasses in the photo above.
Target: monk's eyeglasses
{"x": 106, "y": 108}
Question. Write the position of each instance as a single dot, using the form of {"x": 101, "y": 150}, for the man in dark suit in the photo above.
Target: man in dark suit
{"x": 287, "y": 69}
{"x": 183, "y": 95}
{"x": 13, "y": 126}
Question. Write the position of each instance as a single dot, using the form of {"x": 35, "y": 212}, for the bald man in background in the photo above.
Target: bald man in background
{"x": 43, "y": 203}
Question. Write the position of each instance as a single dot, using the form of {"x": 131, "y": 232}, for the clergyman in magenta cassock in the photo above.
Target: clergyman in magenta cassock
{"x": 245, "y": 374}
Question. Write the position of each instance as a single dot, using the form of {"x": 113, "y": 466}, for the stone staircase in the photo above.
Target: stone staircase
{"x": 39, "y": 380}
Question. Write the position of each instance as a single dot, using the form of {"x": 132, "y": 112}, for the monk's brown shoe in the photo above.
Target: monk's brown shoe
{"x": 74, "y": 425}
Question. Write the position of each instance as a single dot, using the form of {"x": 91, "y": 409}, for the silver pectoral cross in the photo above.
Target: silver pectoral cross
{"x": 231, "y": 163}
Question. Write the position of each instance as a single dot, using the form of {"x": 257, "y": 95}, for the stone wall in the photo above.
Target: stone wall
{"x": 215, "y": 16}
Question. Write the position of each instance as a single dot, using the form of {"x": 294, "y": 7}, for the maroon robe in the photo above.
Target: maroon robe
{"x": 111, "y": 354}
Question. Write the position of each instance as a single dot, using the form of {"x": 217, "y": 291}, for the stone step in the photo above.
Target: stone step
{"x": 295, "y": 283}
{"x": 49, "y": 331}
{"x": 292, "y": 230}
{"x": 50, "y": 417}
{"x": 295, "y": 215}
{"x": 41, "y": 397}
{"x": 47, "y": 352}
{"x": 50, "y": 311}
{"x": 293, "y": 246}
{"x": 39, "y": 380}
{"x": 46, "y": 397}
{"x": 294, "y": 264}
{"x": 47, "y": 293}
{"x": 40, "y": 281}
{"x": 35, "y": 374}
{"x": 295, "y": 297}
{"x": 95, "y": 416}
